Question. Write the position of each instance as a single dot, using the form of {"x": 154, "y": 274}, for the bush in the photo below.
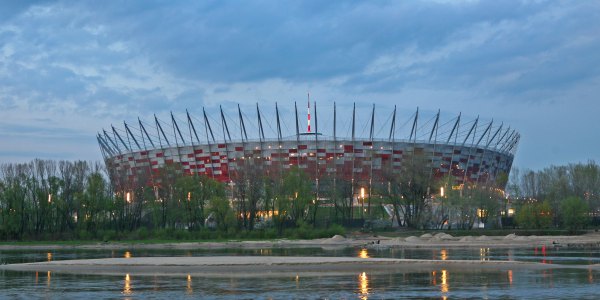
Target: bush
{"x": 139, "y": 234}
{"x": 106, "y": 235}
{"x": 534, "y": 216}
{"x": 182, "y": 234}
{"x": 335, "y": 229}
{"x": 574, "y": 214}
{"x": 83, "y": 234}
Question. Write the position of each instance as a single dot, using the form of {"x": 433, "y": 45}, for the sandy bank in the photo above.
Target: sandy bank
{"x": 435, "y": 240}
{"x": 245, "y": 266}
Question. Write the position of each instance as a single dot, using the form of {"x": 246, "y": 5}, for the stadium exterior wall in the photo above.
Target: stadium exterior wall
{"x": 358, "y": 161}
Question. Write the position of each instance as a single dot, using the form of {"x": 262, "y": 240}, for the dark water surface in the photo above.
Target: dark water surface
{"x": 439, "y": 284}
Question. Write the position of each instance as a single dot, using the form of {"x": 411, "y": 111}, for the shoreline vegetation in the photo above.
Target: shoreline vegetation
{"x": 77, "y": 200}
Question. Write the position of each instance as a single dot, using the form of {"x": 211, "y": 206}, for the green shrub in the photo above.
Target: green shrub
{"x": 83, "y": 234}
{"x": 182, "y": 234}
{"x": 574, "y": 214}
{"x": 107, "y": 235}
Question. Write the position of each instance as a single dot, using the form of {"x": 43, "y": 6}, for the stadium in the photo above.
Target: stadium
{"x": 356, "y": 145}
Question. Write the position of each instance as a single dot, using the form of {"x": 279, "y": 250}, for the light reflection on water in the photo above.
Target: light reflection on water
{"x": 363, "y": 253}
{"x": 556, "y": 283}
{"x": 444, "y": 287}
{"x": 189, "y": 289}
{"x": 127, "y": 286}
{"x": 441, "y": 283}
{"x": 484, "y": 254}
{"x": 363, "y": 285}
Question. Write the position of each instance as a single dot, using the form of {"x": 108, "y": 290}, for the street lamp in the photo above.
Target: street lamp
{"x": 362, "y": 202}
{"x": 442, "y": 195}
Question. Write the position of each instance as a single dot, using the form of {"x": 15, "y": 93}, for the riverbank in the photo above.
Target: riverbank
{"x": 428, "y": 240}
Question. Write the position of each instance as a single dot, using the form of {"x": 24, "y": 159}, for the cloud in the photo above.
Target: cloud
{"x": 77, "y": 67}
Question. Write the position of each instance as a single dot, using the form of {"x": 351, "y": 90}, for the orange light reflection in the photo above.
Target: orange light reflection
{"x": 189, "y": 289}
{"x": 445, "y": 287}
{"x": 127, "y": 287}
{"x": 363, "y": 285}
{"x": 363, "y": 253}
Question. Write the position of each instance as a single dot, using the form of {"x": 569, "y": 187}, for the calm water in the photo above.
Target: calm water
{"x": 438, "y": 284}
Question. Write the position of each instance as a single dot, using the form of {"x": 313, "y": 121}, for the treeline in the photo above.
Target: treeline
{"x": 557, "y": 196}
{"x": 75, "y": 200}
{"x": 53, "y": 199}
{"x": 46, "y": 199}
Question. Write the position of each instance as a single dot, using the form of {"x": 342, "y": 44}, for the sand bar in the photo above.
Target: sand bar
{"x": 430, "y": 240}
{"x": 247, "y": 266}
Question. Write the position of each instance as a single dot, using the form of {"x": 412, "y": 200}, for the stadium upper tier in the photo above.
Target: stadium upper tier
{"x": 219, "y": 147}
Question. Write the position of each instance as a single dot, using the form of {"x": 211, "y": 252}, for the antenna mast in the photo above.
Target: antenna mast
{"x": 308, "y": 113}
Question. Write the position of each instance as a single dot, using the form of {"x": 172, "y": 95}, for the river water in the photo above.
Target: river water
{"x": 580, "y": 283}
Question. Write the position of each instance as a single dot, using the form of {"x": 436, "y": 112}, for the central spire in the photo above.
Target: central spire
{"x": 308, "y": 113}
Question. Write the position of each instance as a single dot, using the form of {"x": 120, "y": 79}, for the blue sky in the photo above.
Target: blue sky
{"x": 68, "y": 69}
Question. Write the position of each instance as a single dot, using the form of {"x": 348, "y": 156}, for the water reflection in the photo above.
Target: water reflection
{"x": 363, "y": 284}
{"x": 501, "y": 283}
{"x": 444, "y": 254}
{"x": 363, "y": 253}
{"x": 127, "y": 254}
{"x": 189, "y": 289}
{"x": 444, "y": 287}
{"x": 48, "y": 280}
{"x": 484, "y": 254}
{"x": 127, "y": 287}
{"x": 266, "y": 252}
{"x": 444, "y": 279}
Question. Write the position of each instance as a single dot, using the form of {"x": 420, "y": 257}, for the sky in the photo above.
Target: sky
{"x": 69, "y": 69}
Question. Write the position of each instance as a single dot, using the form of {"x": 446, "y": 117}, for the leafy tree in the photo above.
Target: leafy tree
{"x": 575, "y": 213}
{"x": 408, "y": 189}
{"x": 534, "y": 215}
{"x": 222, "y": 212}
{"x": 297, "y": 190}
